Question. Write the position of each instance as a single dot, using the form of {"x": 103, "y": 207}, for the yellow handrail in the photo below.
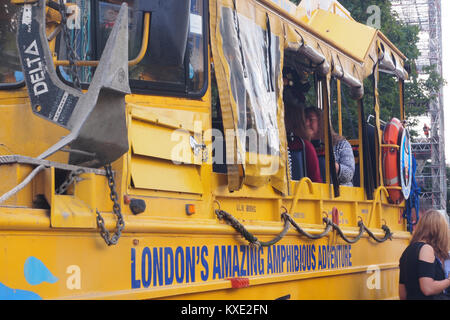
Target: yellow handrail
{"x": 297, "y": 191}
{"x": 376, "y": 201}
{"x": 390, "y": 146}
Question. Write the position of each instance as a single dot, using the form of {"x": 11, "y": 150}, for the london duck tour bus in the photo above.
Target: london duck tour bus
{"x": 166, "y": 149}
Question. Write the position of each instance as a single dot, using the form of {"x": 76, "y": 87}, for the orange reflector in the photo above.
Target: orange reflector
{"x": 190, "y": 209}
{"x": 237, "y": 283}
{"x": 126, "y": 199}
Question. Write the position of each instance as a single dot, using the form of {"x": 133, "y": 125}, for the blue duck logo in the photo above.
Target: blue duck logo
{"x": 35, "y": 273}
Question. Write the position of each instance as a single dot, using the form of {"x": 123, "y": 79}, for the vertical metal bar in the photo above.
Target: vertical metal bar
{"x": 339, "y": 103}
{"x": 376, "y": 75}
{"x": 360, "y": 144}
{"x": 402, "y": 97}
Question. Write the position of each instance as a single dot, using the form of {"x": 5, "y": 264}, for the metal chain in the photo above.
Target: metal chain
{"x": 356, "y": 239}
{"x": 387, "y": 234}
{"x": 73, "y": 177}
{"x": 120, "y": 225}
{"x": 249, "y": 236}
{"x": 239, "y": 227}
{"x": 69, "y": 50}
{"x": 328, "y": 223}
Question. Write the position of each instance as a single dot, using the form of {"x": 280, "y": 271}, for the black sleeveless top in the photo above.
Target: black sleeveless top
{"x": 411, "y": 269}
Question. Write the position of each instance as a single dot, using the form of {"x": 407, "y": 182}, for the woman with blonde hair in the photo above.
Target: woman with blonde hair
{"x": 422, "y": 275}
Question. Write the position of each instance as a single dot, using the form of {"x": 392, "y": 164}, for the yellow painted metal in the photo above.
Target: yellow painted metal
{"x": 23, "y": 1}
{"x": 351, "y": 36}
{"x": 154, "y": 229}
{"x": 80, "y": 276}
{"x": 71, "y": 212}
{"x": 167, "y": 143}
{"x": 379, "y": 132}
{"x": 323, "y": 95}
{"x": 210, "y": 250}
{"x": 164, "y": 175}
{"x": 17, "y": 113}
{"x": 302, "y": 22}
{"x": 387, "y": 145}
{"x": 67, "y": 211}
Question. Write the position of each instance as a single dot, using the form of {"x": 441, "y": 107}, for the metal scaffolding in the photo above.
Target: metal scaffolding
{"x": 429, "y": 150}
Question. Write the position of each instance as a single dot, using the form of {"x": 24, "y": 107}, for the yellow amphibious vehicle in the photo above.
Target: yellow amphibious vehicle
{"x": 144, "y": 155}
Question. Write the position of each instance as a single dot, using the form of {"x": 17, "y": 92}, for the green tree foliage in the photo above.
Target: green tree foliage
{"x": 419, "y": 91}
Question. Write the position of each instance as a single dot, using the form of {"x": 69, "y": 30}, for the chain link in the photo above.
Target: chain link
{"x": 73, "y": 177}
{"x": 120, "y": 225}
{"x": 69, "y": 49}
{"x": 239, "y": 227}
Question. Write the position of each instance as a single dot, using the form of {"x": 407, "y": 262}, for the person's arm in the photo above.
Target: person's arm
{"x": 312, "y": 163}
{"x": 402, "y": 291}
{"x": 346, "y": 163}
{"x": 427, "y": 284}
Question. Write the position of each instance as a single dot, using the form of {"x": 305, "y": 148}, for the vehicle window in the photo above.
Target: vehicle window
{"x": 162, "y": 68}
{"x": 349, "y": 111}
{"x": 10, "y": 68}
{"x": 86, "y": 44}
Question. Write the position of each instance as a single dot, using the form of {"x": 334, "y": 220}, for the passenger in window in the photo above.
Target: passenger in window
{"x": 298, "y": 134}
{"x": 343, "y": 152}
{"x": 313, "y": 118}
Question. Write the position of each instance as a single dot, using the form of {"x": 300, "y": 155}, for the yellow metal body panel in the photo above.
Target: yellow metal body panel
{"x": 193, "y": 260}
{"x": 155, "y": 140}
{"x": 71, "y": 212}
{"x": 351, "y": 36}
{"x": 22, "y": 132}
{"x": 164, "y": 175}
{"x": 67, "y": 211}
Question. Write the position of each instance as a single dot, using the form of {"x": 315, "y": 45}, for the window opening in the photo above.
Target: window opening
{"x": 350, "y": 124}
{"x": 299, "y": 95}
{"x": 172, "y": 64}
{"x": 11, "y": 75}
{"x": 218, "y": 138}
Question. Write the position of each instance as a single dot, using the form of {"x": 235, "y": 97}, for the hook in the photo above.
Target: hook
{"x": 218, "y": 204}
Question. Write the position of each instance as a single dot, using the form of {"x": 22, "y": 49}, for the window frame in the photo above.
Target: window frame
{"x": 13, "y": 85}
{"x": 157, "y": 88}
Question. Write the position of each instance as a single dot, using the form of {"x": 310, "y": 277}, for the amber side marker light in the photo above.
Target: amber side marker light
{"x": 190, "y": 209}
